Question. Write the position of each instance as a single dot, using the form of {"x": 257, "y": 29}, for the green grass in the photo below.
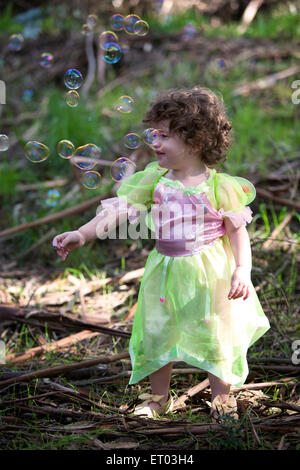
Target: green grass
{"x": 280, "y": 21}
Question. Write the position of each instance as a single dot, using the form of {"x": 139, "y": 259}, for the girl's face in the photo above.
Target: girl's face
{"x": 171, "y": 151}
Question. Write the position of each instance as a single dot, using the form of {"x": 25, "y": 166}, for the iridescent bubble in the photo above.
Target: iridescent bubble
{"x": 117, "y": 22}
{"x": 72, "y": 98}
{"x": 27, "y": 95}
{"x": 189, "y": 31}
{"x": 150, "y": 135}
{"x": 125, "y": 104}
{"x": 129, "y": 22}
{"x": 107, "y": 37}
{"x": 132, "y": 141}
{"x": 46, "y": 60}
{"x": 158, "y": 5}
{"x": 220, "y": 63}
{"x": 16, "y": 42}
{"x": 91, "y": 179}
{"x": 36, "y": 152}
{"x": 52, "y": 197}
{"x": 87, "y": 153}
{"x": 86, "y": 29}
{"x": 4, "y": 142}
{"x": 73, "y": 79}
{"x": 141, "y": 28}
{"x": 121, "y": 168}
{"x": 112, "y": 53}
{"x": 92, "y": 20}
{"x": 65, "y": 149}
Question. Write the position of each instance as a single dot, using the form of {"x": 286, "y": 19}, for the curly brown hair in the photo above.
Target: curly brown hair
{"x": 198, "y": 116}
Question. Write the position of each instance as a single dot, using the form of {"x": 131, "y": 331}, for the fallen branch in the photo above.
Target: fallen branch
{"x": 15, "y": 314}
{"x": 60, "y": 370}
{"x": 268, "y": 195}
{"x": 59, "y": 345}
{"x": 265, "y": 82}
{"x": 249, "y": 14}
{"x": 267, "y": 244}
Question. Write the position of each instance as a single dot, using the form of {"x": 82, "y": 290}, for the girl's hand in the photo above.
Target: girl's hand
{"x": 67, "y": 242}
{"x": 240, "y": 283}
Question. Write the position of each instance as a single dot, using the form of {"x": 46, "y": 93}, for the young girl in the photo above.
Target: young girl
{"x": 196, "y": 301}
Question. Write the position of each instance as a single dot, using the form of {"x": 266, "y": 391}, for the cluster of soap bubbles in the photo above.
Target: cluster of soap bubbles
{"x": 109, "y": 40}
{"x": 16, "y": 42}
{"x": 73, "y": 80}
{"x": 131, "y": 24}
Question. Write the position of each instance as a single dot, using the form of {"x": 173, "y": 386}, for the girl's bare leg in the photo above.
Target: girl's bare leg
{"x": 218, "y": 387}
{"x": 160, "y": 384}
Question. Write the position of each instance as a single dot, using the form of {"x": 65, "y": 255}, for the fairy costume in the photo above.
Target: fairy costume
{"x": 183, "y": 311}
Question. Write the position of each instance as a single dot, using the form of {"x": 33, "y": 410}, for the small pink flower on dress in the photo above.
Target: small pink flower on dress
{"x": 162, "y": 299}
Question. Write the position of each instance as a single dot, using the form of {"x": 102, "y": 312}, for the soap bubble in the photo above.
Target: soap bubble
{"x": 86, "y": 29}
{"x": 36, "y": 152}
{"x": 150, "y": 135}
{"x": 189, "y": 31}
{"x": 52, "y": 197}
{"x": 4, "y": 142}
{"x": 91, "y": 179}
{"x": 125, "y": 104}
{"x": 132, "y": 141}
{"x": 72, "y": 98}
{"x": 141, "y": 28}
{"x": 121, "y": 168}
{"x": 220, "y": 63}
{"x": 65, "y": 149}
{"x": 88, "y": 154}
{"x": 46, "y": 60}
{"x": 73, "y": 79}
{"x": 92, "y": 20}
{"x": 158, "y": 5}
{"x": 16, "y": 42}
{"x": 107, "y": 37}
{"x": 112, "y": 53}
{"x": 129, "y": 22}
{"x": 117, "y": 22}
{"x": 27, "y": 95}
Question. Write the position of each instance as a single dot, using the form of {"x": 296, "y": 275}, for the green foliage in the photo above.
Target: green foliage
{"x": 7, "y": 23}
{"x": 281, "y": 21}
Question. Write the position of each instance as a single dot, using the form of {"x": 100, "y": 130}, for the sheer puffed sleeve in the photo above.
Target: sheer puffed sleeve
{"x": 135, "y": 194}
{"x": 233, "y": 195}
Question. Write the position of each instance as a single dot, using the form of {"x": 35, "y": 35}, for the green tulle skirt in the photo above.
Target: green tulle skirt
{"x": 196, "y": 323}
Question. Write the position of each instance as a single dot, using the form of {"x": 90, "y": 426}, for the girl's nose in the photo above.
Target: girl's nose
{"x": 156, "y": 144}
